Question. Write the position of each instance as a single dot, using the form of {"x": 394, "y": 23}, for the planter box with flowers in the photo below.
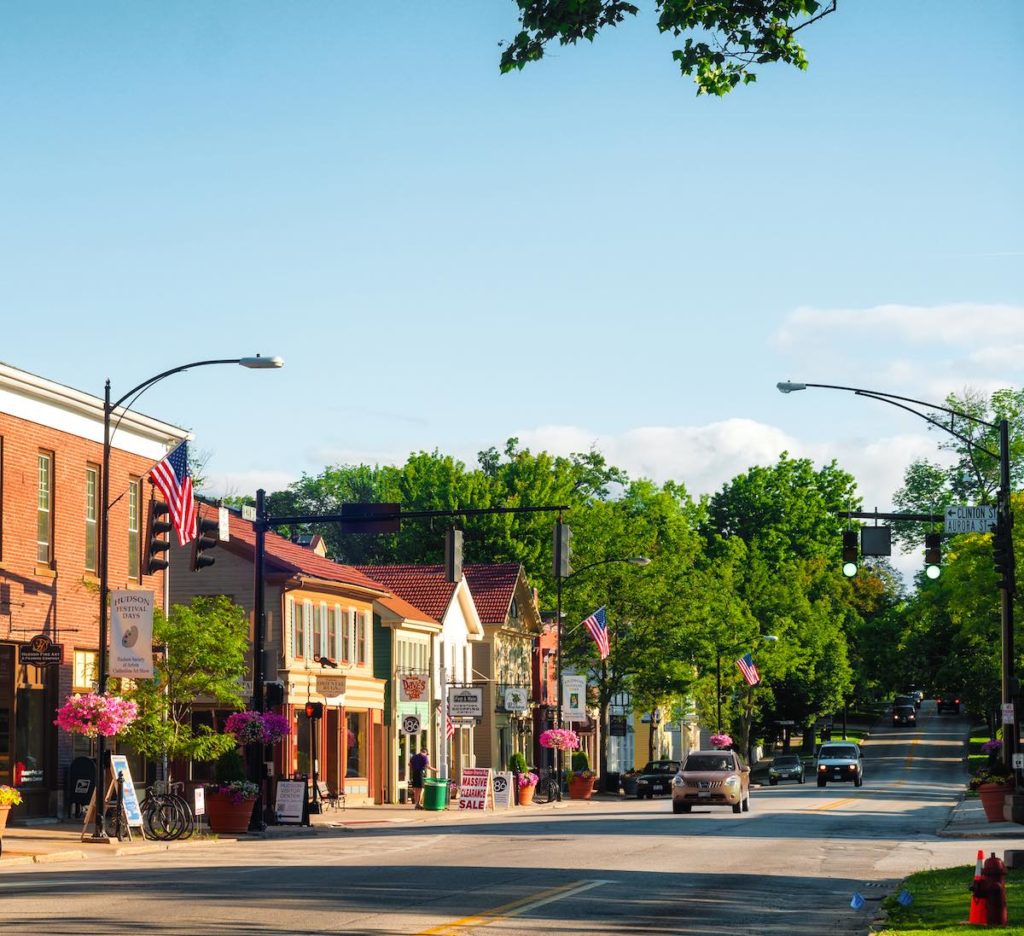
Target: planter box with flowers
{"x": 721, "y": 741}
{"x": 9, "y": 797}
{"x": 992, "y": 783}
{"x": 229, "y": 806}
{"x": 527, "y": 787}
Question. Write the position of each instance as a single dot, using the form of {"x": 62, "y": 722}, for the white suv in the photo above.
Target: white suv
{"x": 840, "y": 762}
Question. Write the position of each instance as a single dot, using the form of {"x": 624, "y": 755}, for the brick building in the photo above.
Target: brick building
{"x": 51, "y": 452}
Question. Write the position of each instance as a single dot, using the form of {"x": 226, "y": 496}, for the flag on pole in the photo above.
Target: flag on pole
{"x": 449, "y": 725}
{"x": 172, "y": 477}
{"x": 747, "y": 668}
{"x": 597, "y": 625}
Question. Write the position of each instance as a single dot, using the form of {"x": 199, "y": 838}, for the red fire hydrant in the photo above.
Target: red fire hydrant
{"x": 994, "y": 875}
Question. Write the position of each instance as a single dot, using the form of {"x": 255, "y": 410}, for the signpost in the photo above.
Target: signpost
{"x": 962, "y": 518}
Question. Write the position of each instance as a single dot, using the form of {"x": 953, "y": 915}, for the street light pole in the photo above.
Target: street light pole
{"x": 1004, "y": 524}
{"x": 253, "y": 363}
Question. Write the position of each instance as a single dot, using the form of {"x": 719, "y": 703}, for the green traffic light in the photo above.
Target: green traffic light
{"x": 849, "y": 569}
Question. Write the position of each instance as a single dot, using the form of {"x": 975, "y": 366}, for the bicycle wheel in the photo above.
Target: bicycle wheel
{"x": 188, "y": 818}
{"x": 547, "y": 790}
{"x": 162, "y": 820}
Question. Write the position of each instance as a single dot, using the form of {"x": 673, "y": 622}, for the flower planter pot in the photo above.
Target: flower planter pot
{"x": 580, "y": 788}
{"x": 993, "y": 798}
{"x": 226, "y": 817}
{"x": 526, "y": 795}
{"x": 5, "y": 811}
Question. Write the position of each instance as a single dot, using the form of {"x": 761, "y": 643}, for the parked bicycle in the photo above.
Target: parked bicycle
{"x": 548, "y": 789}
{"x": 166, "y": 814}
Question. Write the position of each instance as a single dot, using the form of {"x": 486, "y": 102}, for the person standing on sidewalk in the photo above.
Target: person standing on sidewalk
{"x": 419, "y": 765}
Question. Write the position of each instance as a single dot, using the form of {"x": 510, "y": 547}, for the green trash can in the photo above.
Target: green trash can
{"x": 435, "y": 793}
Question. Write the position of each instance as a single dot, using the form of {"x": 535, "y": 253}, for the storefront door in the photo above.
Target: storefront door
{"x": 7, "y": 714}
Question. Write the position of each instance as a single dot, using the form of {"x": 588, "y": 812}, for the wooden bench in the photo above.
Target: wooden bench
{"x": 324, "y": 794}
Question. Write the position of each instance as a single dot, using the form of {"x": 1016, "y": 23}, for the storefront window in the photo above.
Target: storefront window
{"x": 6, "y": 698}
{"x": 31, "y": 736}
{"x": 303, "y": 745}
{"x": 356, "y": 743}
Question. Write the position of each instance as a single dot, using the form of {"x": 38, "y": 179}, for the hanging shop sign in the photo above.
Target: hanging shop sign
{"x": 516, "y": 700}
{"x": 332, "y": 688}
{"x": 131, "y": 633}
{"x": 467, "y": 702}
{"x": 617, "y": 726}
{"x": 411, "y": 724}
{"x": 412, "y": 687}
{"x": 41, "y": 651}
{"x": 574, "y": 696}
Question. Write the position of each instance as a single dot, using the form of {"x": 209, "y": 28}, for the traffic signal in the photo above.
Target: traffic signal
{"x": 933, "y": 555}
{"x": 157, "y": 537}
{"x": 850, "y": 553}
{"x": 453, "y": 555}
{"x": 205, "y": 540}
{"x": 314, "y": 710}
{"x": 1002, "y": 548}
{"x": 562, "y": 549}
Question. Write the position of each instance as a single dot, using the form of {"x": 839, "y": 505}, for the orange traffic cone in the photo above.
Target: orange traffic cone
{"x": 979, "y": 907}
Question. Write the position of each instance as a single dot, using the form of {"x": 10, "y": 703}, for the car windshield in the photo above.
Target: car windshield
{"x": 709, "y": 762}
{"x": 789, "y": 761}
{"x": 844, "y": 750}
{"x": 904, "y": 708}
{"x": 662, "y": 766}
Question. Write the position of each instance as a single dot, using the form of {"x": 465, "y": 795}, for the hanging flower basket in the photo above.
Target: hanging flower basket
{"x": 93, "y": 715}
{"x": 721, "y": 741}
{"x": 256, "y": 727}
{"x": 561, "y": 739}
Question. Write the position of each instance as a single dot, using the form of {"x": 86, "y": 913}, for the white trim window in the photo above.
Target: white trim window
{"x": 347, "y": 634}
{"x": 334, "y": 633}
{"x": 307, "y": 627}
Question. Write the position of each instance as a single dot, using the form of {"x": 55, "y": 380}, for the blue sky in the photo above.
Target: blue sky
{"x": 580, "y": 254}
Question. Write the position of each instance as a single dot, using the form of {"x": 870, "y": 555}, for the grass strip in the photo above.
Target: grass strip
{"x": 942, "y": 902}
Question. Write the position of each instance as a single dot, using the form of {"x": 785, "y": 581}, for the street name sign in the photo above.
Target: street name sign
{"x": 962, "y": 518}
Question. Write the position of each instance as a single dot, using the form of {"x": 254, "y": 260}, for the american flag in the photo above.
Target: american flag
{"x": 171, "y": 476}
{"x": 449, "y": 725}
{"x": 747, "y": 668}
{"x": 598, "y": 627}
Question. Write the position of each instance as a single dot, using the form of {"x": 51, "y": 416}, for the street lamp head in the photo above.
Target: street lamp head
{"x": 771, "y": 637}
{"x": 261, "y": 363}
{"x": 639, "y": 560}
{"x": 787, "y": 387}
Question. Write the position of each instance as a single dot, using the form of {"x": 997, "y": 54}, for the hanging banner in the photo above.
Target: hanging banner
{"x": 131, "y": 633}
{"x": 412, "y": 687}
{"x": 574, "y": 698}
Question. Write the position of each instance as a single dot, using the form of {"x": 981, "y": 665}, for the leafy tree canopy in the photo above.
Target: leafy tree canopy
{"x": 725, "y": 39}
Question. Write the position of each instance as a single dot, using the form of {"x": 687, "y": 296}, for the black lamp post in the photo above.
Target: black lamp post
{"x": 719, "y": 651}
{"x": 559, "y": 579}
{"x": 1004, "y": 523}
{"x": 255, "y": 363}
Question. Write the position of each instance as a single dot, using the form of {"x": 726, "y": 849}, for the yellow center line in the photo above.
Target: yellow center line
{"x": 835, "y": 804}
{"x": 511, "y": 909}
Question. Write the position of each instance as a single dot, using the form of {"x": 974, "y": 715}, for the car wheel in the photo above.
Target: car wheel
{"x": 746, "y": 804}
{"x": 859, "y": 781}
{"x": 737, "y": 807}
{"x": 821, "y": 782}
{"x": 678, "y": 808}
{"x": 639, "y": 796}
{"x": 773, "y": 783}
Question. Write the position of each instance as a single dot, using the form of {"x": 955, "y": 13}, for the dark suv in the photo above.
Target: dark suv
{"x": 947, "y": 702}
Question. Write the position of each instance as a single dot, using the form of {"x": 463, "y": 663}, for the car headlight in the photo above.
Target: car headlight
{"x": 851, "y": 766}
{"x": 822, "y": 766}
{"x": 732, "y": 781}
{"x": 677, "y": 781}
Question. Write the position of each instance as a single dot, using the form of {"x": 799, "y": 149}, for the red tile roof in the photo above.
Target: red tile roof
{"x": 423, "y": 586}
{"x": 403, "y": 609}
{"x": 492, "y": 588}
{"x": 282, "y": 555}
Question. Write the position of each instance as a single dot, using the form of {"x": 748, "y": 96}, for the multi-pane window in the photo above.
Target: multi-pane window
{"x": 134, "y": 527}
{"x": 44, "y": 509}
{"x": 319, "y": 629}
{"x": 92, "y": 476}
{"x": 333, "y": 635}
{"x": 346, "y": 637}
{"x": 298, "y": 629}
{"x": 360, "y": 638}
{"x": 84, "y": 676}
{"x": 308, "y": 625}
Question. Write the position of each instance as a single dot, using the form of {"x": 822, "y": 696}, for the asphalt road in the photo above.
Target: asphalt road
{"x": 789, "y": 867}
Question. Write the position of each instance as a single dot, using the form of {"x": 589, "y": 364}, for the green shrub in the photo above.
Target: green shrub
{"x": 517, "y": 763}
{"x": 229, "y": 767}
{"x": 581, "y": 760}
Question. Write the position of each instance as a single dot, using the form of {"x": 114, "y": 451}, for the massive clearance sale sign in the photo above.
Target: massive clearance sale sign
{"x": 476, "y": 788}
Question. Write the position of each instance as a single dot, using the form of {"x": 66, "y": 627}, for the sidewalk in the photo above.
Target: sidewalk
{"x": 62, "y": 841}
{"x": 967, "y": 820}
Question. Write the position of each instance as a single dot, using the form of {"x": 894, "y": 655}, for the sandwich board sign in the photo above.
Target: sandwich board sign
{"x": 476, "y": 788}
{"x": 290, "y": 801}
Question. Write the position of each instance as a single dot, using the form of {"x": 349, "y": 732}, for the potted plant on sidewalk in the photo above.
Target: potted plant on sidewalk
{"x": 581, "y": 777}
{"x": 527, "y": 785}
{"x": 992, "y": 786}
{"x": 230, "y": 801}
{"x": 9, "y": 797}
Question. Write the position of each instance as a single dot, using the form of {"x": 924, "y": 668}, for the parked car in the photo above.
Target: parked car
{"x": 656, "y": 778}
{"x": 840, "y": 762}
{"x": 918, "y": 695}
{"x": 786, "y": 767}
{"x": 711, "y": 778}
{"x": 904, "y": 715}
{"x": 947, "y": 702}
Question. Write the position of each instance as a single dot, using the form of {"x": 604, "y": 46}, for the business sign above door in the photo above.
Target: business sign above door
{"x": 412, "y": 687}
{"x": 330, "y": 686}
{"x": 41, "y": 651}
{"x": 466, "y": 702}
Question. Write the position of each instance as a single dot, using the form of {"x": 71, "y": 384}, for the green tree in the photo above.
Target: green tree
{"x": 206, "y": 642}
{"x": 724, "y": 38}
